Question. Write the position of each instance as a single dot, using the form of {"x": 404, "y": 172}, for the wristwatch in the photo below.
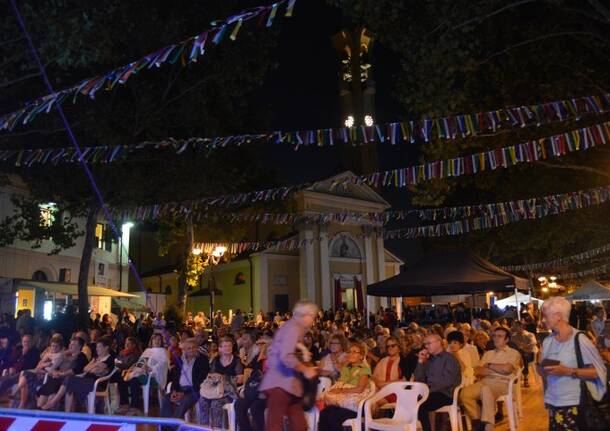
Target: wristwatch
{"x": 575, "y": 373}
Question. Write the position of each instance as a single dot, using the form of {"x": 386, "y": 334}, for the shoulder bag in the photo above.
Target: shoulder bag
{"x": 596, "y": 415}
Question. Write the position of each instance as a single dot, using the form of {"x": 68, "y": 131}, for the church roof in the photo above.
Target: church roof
{"x": 336, "y": 186}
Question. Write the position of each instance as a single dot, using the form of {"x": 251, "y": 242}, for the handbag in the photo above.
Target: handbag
{"x": 346, "y": 401}
{"x": 596, "y": 415}
{"x": 213, "y": 387}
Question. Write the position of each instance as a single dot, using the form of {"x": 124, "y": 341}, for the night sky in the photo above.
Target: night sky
{"x": 303, "y": 93}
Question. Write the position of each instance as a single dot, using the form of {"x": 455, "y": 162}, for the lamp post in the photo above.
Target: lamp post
{"x": 212, "y": 259}
{"x": 215, "y": 258}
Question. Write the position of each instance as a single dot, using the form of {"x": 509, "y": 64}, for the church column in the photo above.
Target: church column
{"x": 386, "y": 302}
{"x": 306, "y": 263}
{"x": 261, "y": 280}
{"x": 370, "y": 276}
{"x": 325, "y": 268}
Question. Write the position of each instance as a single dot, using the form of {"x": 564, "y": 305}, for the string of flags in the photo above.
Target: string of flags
{"x": 579, "y": 257}
{"x": 552, "y": 205}
{"x": 603, "y": 269}
{"x": 411, "y": 131}
{"x": 558, "y": 205}
{"x": 529, "y": 152}
{"x": 187, "y": 51}
{"x": 530, "y": 208}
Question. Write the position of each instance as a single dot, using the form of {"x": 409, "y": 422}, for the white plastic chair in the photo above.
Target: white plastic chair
{"x": 453, "y": 410}
{"x": 105, "y": 393}
{"x": 356, "y": 423}
{"x": 409, "y": 396}
{"x": 312, "y": 416}
{"x": 511, "y": 399}
{"x": 146, "y": 394}
{"x": 232, "y": 420}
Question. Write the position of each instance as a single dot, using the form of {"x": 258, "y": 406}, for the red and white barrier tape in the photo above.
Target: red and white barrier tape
{"x": 14, "y": 423}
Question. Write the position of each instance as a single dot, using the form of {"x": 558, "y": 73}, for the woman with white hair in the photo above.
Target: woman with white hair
{"x": 562, "y": 371}
{"x": 281, "y": 383}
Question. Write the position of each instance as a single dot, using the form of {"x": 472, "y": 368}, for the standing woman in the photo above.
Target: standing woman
{"x": 559, "y": 367}
{"x": 281, "y": 383}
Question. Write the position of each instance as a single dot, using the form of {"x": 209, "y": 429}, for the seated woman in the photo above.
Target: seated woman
{"x": 229, "y": 366}
{"x": 126, "y": 359}
{"x": 74, "y": 364}
{"x": 153, "y": 362}
{"x": 50, "y": 361}
{"x": 308, "y": 341}
{"x": 481, "y": 342}
{"x": 349, "y": 390}
{"x": 388, "y": 369}
{"x": 331, "y": 364}
{"x": 249, "y": 399}
{"x": 79, "y": 386}
{"x": 455, "y": 346}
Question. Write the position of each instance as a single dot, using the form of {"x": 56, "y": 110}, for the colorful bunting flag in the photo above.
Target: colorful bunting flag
{"x": 194, "y": 46}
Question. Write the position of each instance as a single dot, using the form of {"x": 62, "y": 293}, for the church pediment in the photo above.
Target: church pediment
{"x": 335, "y": 192}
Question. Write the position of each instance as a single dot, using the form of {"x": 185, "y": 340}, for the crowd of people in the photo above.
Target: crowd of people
{"x": 274, "y": 363}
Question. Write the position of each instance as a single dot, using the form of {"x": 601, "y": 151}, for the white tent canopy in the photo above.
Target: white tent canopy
{"x": 523, "y": 298}
{"x": 591, "y": 291}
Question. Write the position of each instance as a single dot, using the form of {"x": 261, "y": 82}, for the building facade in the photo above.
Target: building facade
{"x": 333, "y": 266}
{"x": 19, "y": 261}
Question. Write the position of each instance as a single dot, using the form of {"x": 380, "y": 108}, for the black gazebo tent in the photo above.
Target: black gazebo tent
{"x": 456, "y": 273}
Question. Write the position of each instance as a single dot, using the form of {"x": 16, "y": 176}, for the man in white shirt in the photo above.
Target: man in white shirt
{"x": 494, "y": 372}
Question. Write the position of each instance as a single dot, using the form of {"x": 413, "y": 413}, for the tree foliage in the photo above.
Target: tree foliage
{"x": 473, "y": 56}
{"x": 78, "y": 39}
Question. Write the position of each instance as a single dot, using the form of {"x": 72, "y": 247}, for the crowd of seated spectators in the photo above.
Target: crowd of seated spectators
{"x": 200, "y": 365}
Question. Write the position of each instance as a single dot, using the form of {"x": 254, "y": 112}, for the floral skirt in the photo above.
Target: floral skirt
{"x": 564, "y": 418}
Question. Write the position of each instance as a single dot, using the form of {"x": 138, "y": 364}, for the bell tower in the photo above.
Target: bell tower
{"x": 357, "y": 94}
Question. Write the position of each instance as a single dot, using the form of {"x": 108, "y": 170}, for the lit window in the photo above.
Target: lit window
{"x": 47, "y": 214}
{"x": 99, "y": 235}
{"x": 47, "y": 312}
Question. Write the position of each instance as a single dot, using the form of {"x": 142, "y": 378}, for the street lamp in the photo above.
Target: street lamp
{"x": 214, "y": 257}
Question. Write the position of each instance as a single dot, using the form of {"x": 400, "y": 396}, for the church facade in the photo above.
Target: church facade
{"x": 333, "y": 266}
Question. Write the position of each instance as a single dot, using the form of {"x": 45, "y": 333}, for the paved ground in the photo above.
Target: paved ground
{"x": 534, "y": 417}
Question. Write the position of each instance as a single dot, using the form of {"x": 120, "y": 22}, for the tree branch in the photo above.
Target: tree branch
{"x": 541, "y": 38}
{"x": 31, "y": 132}
{"x": 10, "y": 41}
{"x": 481, "y": 18}
{"x": 603, "y": 10}
{"x": 575, "y": 168}
{"x": 20, "y": 79}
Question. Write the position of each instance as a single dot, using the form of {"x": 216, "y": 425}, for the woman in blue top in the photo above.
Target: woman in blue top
{"x": 560, "y": 370}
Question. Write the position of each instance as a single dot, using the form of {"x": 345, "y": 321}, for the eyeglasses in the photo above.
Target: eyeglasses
{"x": 391, "y": 345}
{"x": 355, "y": 352}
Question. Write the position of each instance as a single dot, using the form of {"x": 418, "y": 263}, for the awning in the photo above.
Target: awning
{"x": 591, "y": 291}
{"x": 512, "y": 300}
{"x": 454, "y": 273}
{"x": 130, "y": 305}
{"x": 70, "y": 288}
